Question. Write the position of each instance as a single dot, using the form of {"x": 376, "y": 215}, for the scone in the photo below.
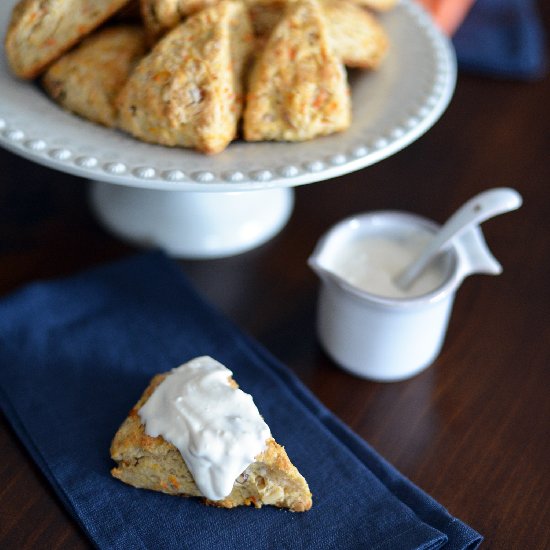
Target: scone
{"x": 88, "y": 79}
{"x": 356, "y": 36}
{"x": 154, "y": 463}
{"x": 188, "y": 90}
{"x": 159, "y": 16}
{"x": 298, "y": 88}
{"x": 40, "y": 31}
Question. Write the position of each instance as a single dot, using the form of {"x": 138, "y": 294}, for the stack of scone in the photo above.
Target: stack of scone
{"x": 189, "y": 72}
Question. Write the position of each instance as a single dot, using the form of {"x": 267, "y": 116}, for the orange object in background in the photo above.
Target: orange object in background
{"x": 448, "y": 14}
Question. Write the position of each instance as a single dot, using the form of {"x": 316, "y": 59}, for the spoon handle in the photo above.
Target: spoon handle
{"x": 483, "y": 206}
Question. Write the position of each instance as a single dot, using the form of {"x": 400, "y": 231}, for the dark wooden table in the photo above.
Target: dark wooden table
{"x": 472, "y": 430}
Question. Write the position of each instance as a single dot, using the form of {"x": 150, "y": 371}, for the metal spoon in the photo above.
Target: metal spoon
{"x": 478, "y": 209}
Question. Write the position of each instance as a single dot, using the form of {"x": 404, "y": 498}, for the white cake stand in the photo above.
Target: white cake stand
{"x": 198, "y": 206}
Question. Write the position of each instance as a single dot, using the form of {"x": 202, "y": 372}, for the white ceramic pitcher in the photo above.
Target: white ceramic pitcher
{"x": 390, "y": 339}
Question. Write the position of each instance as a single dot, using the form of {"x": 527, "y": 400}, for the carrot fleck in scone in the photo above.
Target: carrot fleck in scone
{"x": 188, "y": 435}
{"x": 42, "y": 30}
{"x": 298, "y": 88}
{"x": 356, "y": 36}
{"x": 88, "y": 79}
{"x": 188, "y": 90}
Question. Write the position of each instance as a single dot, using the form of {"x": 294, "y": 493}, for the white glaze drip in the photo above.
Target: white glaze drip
{"x": 217, "y": 428}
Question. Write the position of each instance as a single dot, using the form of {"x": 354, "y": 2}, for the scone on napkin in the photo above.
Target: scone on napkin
{"x": 189, "y": 435}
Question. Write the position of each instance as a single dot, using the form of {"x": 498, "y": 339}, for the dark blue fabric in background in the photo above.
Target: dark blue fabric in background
{"x": 76, "y": 354}
{"x": 502, "y": 38}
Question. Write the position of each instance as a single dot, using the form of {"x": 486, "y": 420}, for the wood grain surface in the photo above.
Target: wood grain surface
{"x": 472, "y": 430}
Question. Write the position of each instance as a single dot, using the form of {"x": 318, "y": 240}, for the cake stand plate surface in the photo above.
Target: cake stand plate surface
{"x": 199, "y": 206}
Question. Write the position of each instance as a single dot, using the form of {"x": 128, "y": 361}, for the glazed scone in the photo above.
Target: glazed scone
{"x": 154, "y": 463}
{"x": 40, "y": 31}
{"x": 298, "y": 88}
{"x": 88, "y": 79}
{"x": 356, "y": 36}
{"x": 188, "y": 90}
{"x": 160, "y": 16}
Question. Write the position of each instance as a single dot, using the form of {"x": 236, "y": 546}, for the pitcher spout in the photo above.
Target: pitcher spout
{"x": 319, "y": 269}
{"x": 314, "y": 264}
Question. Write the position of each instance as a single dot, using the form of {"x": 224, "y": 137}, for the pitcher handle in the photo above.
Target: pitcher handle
{"x": 476, "y": 256}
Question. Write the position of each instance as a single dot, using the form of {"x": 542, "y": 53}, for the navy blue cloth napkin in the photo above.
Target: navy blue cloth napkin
{"x": 75, "y": 355}
{"x": 502, "y": 38}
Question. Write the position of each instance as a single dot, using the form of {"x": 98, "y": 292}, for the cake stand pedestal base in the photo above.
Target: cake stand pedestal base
{"x": 190, "y": 224}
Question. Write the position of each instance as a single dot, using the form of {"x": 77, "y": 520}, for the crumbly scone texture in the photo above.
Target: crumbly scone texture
{"x": 356, "y": 36}
{"x": 153, "y": 463}
{"x": 88, "y": 79}
{"x": 298, "y": 88}
{"x": 42, "y": 30}
{"x": 188, "y": 90}
{"x": 160, "y": 16}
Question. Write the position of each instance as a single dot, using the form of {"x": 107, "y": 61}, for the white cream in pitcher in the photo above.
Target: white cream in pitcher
{"x": 371, "y": 263}
{"x": 217, "y": 428}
